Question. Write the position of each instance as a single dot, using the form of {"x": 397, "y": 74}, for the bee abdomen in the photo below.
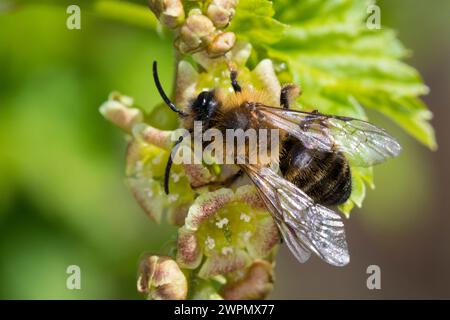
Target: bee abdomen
{"x": 324, "y": 176}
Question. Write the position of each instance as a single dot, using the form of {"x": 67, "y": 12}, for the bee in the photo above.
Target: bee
{"x": 315, "y": 156}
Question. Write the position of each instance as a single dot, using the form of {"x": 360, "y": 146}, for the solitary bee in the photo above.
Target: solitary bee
{"x": 316, "y": 152}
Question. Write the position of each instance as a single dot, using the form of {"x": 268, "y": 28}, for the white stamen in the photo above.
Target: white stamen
{"x": 245, "y": 217}
{"x": 221, "y": 223}
{"x": 210, "y": 243}
{"x": 176, "y": 177}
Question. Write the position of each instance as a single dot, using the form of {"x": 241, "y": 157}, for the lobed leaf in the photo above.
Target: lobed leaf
{"x": 343, "y": 68}
{"x": 254, "y": 20}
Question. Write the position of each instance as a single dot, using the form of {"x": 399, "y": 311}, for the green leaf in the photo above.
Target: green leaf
{"x": 409, "y": 112}
{"x": 328, "y": 48}
{"x": 343, "y": 68}
{"x": 254, "y": 22}
{"x": 293, "y": 11}
{"x": 360, "y": 178}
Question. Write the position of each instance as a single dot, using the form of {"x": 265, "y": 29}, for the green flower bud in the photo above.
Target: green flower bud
{"x": 160, "y": 278}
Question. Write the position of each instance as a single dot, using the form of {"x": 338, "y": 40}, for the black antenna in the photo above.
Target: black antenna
{"x": 163, "y": 94}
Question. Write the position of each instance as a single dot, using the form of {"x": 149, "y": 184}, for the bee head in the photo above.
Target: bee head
{"x": 204, "y": 106}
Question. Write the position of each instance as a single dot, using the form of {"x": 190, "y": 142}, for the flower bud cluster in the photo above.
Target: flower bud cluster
{"x": 201, "y": 28}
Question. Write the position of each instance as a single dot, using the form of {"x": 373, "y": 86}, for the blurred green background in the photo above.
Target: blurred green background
{"x": 63, "y": 200}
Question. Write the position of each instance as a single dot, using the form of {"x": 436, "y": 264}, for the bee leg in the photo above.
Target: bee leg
{"x": 169, "y": 164}
{"x": 289, "y": 93}
{"x": 234, "y": 82}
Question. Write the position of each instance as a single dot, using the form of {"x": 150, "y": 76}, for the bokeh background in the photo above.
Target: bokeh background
{"x": 63, "y": 199}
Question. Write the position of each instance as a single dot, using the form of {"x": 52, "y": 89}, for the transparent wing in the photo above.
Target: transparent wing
{"x": 362, "y": 143}
{"x": 304, "y": 225}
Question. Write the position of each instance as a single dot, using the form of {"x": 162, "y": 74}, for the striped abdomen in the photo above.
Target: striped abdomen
{"x": 324, "y": 176}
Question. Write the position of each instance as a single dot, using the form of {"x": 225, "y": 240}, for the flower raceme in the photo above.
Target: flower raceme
{"x": 227, "y": 240}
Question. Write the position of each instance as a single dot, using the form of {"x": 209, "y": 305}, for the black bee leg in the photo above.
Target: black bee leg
{"x": 289, "y": 93}
{"x": 169, "y": 164}
{"x": 234, "y": 82}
